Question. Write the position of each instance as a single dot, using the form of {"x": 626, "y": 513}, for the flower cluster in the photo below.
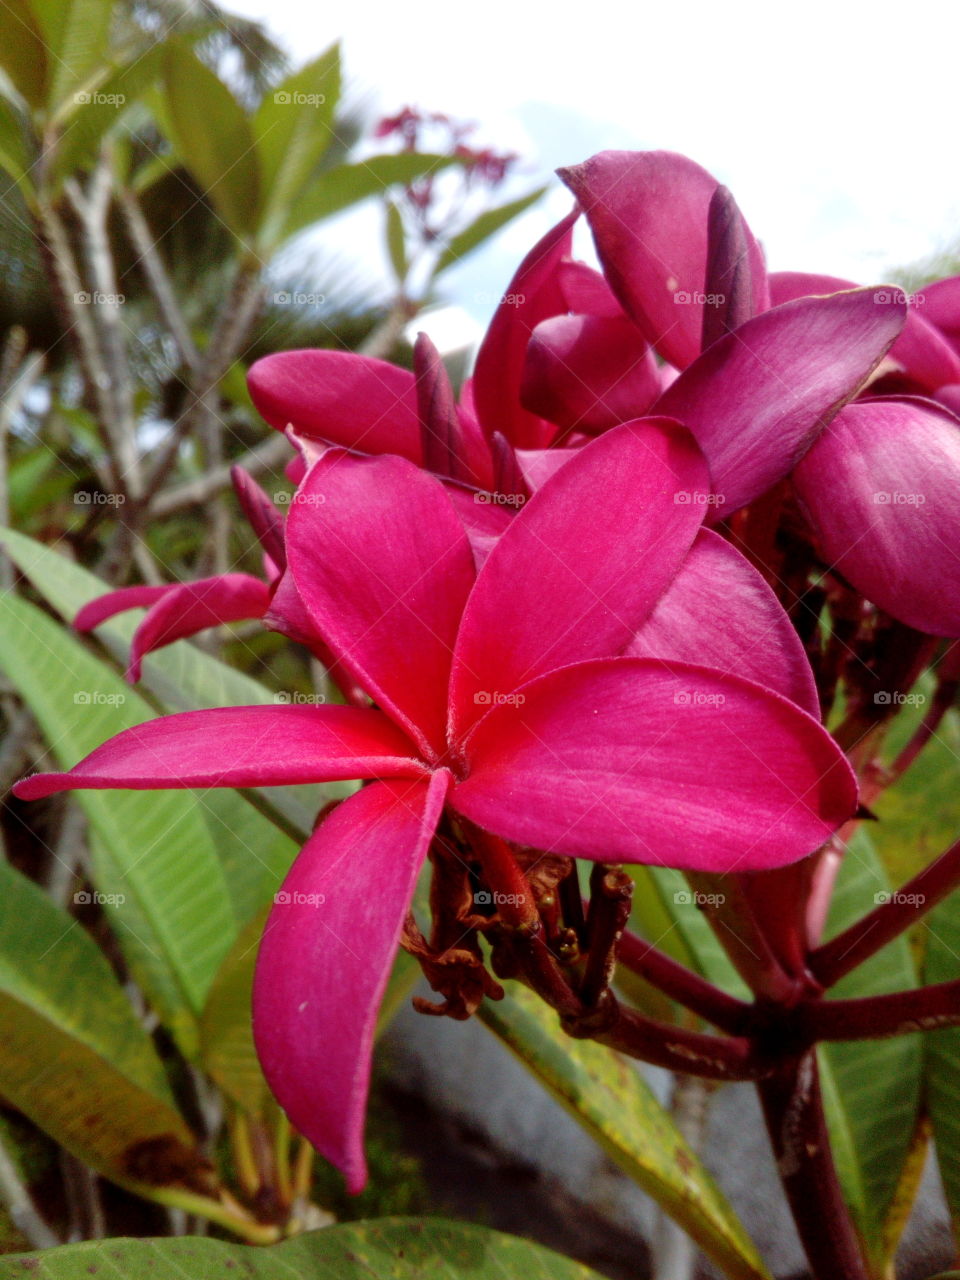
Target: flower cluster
{"x": 555, "y": 607}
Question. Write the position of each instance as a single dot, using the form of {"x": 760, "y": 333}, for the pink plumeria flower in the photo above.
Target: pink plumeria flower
{"x": 497, "y": 698}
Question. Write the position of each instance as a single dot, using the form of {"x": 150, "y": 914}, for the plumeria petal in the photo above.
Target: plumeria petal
{"x": 881, "y": 488}
{"x": 627, "y": 759}
{"x": 383, "y": 565}
{"x": 190, "y": 607}
{"x": 533, "y": 294}
{"x": 648, "y": 211}
{"x": 261, "y": 746}
{"x": 340, "y": 397}
{"x": 587, "y": 373}
{"x": 586, "y": 292}
{"x": 582, "y": 565}
{"x": 262, "y": 516}
{"x": 104, "y": 607}
{"x": 325, "y": 959}
{"x": 757, "y": 399}
{"x": 921, "y": 350}
{"x": 719, "y": 612}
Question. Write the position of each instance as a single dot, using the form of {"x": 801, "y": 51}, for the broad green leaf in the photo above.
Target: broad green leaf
{"x": 609, "y": 1098}
{"x": 73, "y": 1056}
{"x": 942, "y": 1049}
{"x": 159, "y": 839}
{"x": 482, "y": 228}
{"x": 871, "y": 1088}
{"x": 292, "y": 129}
{"x": 23, "y": 51}
{"x": 77, "y": 35}
{"x": 396, "y": 242}
{"x": 346, "y": 184}
{"x": 96, "y": 110}
{"x": 213, "y": 136}
{"x": 226, "y": 1033}
{"x": 381, "y": 1249}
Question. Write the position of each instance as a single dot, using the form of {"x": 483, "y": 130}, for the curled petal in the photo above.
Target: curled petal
{"x": 98, "y": 611}
{"x": 649, "y": 211}
{"x": 587, "y": 373}
{"x": 193, "y": 606}
{"x": 627, "y": 759}
{"x": 757, "y": 399}
{"x": 341, "y": 398}
{"x": 881, "y": 489}
{"x": 326, "y": 955}
{"x": 262, "y": 746}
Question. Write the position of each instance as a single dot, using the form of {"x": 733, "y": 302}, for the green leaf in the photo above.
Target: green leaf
{"x": 396, "y": 242}
{"x": 92, "y": 113}
{"x": 942, "y": 1049}
{"x": 159, "y": 840}
{"x": 609, "y": 1098}
{"x": 226, "y": 1031}
{"x": 292, "y": 128}
{"x": 381, "y": 1249}
{"x": 77, "y": 34}
{"x": 16, "y": 155}
{"x": 482, "y": 228}
{"x": 214, "y": 138}
{"x": 871, "y": 1088}
{"x": 347, "y": 184}
{"x": 23, "y": 51}
{"x": 73, "y": 1056}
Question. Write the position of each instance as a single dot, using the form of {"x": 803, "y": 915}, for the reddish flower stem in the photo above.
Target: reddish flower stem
{"x": 793, "y": 1109}
{"x": 876, "y": 1017}
{"x": 682, "y": 985}
{"x": 867, "y": 936}
{"x": 513, "y": 897}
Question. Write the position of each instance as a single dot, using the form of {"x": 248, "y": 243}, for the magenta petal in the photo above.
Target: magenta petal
{"x": 325, "y": 959}
{"x": 533, "y": 294}
{"x": 631, "y": 760}
{"x": 758, "y": 398}
{"x": 583, "y": 563}
{"x": 881, "y": 488}
{"x": 586, "y": 292}
{"x": 193, "y": 606}
{"x": 720, "y": 613}
{"x": 111, "y": 603}
{"x": 340, "y": 397}
{"x": 921, "y": 350}
{"x": 262, "y": 516}
{"x": 486, "y": 515}
{"x": 383, "y": 565}
{"x": 258, "y": 746}
{"x": 587, "y": 373}
{"x": 941, "y": 307}
{"x": 648, "y": 211}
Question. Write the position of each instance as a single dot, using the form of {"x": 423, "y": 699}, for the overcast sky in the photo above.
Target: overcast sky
{"x": 834, "y": 123}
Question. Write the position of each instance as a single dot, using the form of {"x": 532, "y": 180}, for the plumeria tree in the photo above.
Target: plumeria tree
{"x": 657, "y": 614}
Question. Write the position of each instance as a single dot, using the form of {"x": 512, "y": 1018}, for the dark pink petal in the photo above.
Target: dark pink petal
{"x": 587, "y": 373}
{"x": 339, "y": 397}
{"x": 193, "y": 606}
{"x": 758, "y": 398}
{"x": 262, "y": 516}
{"x": 258, "y": 746}
{"x": 719, "y": 612}
{"x": 533, "y": 294}
{"x": 625, "y": 759}
{"x": 383, "y": 565}
{"x": 921, "y": 351}
{"x": 326, "y": 955}
{"x": 941, "y": 307}
{"x": 648, "y": 212}
{"x": 538, "y": 465}
{"x": 485, "y": 514}
{"x": 732, "y": 295}
{"x": 881, "y": 488}
{"x": 453, "y": 446}
{"x": 586, "y": 292}
{"x": 582, "y": 565}
{"x": 113, "y": 602}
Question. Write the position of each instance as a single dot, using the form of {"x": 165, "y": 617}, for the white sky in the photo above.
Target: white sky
{"x": 834, "y": 124}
